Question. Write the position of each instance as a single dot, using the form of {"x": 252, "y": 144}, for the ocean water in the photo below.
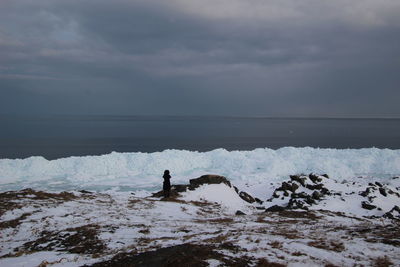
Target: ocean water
{"x": 55, "y": 137}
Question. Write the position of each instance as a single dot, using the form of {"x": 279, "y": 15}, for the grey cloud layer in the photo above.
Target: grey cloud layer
{"x": 272, "y": 58}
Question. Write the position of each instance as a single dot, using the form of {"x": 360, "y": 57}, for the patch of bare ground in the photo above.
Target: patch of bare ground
{"x": 15, "y": 222}
{"x": 382, "y": 262}
{"x": 265, "y": 263}
{"x": 10, "y": 200}
{"x": 216, "y": 221}
{"x": 287, "y": 233}
{"x": 80, "y": 240}
{"x": 388, "y": 234}
{"x": 339, "y": 214}
{"x": 194, "y": 203}
{"x": 310, "y": 215}
{"x": 331, "y": 245}
{"x": 180, "y": 255}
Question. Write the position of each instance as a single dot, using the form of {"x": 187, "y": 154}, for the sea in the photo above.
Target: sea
{"x": 54, "y": 137}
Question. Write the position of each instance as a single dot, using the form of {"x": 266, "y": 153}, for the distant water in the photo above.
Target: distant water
{"x": 62, "y": 136}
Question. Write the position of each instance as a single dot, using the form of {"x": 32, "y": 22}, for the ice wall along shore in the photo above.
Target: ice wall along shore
{"x": 143, "y": 170}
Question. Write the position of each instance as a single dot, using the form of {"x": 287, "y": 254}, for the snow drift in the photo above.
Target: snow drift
{"x": 144, "y": 170}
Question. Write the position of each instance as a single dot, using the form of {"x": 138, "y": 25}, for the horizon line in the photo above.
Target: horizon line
{"x": 199, "y": 116}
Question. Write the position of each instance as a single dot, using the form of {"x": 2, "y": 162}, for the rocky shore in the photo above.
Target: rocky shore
{"x": 307, "y": 219}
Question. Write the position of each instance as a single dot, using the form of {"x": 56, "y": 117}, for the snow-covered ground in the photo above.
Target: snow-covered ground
{"x": 77, "y": 228}
{"x": 338, "y": 220}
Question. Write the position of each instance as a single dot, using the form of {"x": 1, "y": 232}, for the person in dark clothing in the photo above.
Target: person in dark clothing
{"x": 167, "y": 183}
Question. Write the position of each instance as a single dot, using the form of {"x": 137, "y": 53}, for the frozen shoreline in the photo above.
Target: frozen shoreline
{"x": 136, "y": 171}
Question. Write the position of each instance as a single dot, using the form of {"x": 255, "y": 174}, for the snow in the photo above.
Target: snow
{"x": 127, "y": 217}
{"x": 218, "y": 193}
{"x": 142, "y": 171}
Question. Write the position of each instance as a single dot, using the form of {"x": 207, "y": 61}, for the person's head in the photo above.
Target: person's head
{"x": 166, "y": 172}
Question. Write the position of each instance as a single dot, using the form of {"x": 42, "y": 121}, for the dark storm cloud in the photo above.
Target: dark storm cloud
{"x": 272, "y": 58}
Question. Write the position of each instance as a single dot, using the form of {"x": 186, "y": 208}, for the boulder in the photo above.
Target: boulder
{"x": 367, "y": 206}
{"x": 259, "y": 201}
{"x": 394, "y": 213}
{"x": 314, "y": 178}
{"x": 275, "y": 208}
{"x": 366, "y": 192}
{"x": 300, "y": 180}
{"x": 382, "y": 191}
{"x": 378, "y": 184}
{"x": 296, "y": 204}
{"x": 239, "y": 212}
{"x": 208, "y": 179}
{"x": 180, "y": 187}
{"x": 316, "y": 195}
{"x": 288, "y": 186}
{"x": 315, "y": 187}
{"x": 246, "y": 197}
{"x": 300, "y": 195}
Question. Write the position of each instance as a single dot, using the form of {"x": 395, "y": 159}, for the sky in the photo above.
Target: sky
{"x": 305, "y": 58}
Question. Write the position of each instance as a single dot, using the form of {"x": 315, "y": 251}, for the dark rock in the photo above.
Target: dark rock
{"x": 315, "y": 187}
{"x": 239, "y": 212}
{"x": 316, "y": 195}
{"x": 288, "y": 186}
{"x": 378, "y": 184}
{"x": 314, "y": 178}
{"x": 259, "y": 201}
{"x": 371, "y": 184}
{"x": 325, "y": 191}
{"x": 296, "y": 204}
{"x": 382, "y": 191}
{"x": 394, "y": 213}
{"x": 325, "y": 175}
{"x": 300, "y": 195}
{"x": 275, "y": 195}
{"x": 180, "y": 187}
{"x": 366, "y": 192}
{"x": 236, "y": 189}
{"x": 85, "y": 192}
{"x": 246, "y": 197}
{"x": 309, "y": 200}
{"x": 285, "y": 193}
{"x": 300, "y": 180}
{"x": 208, "y": 179}
{"x": 367, "y": 206}
{"x": 275, "y": 208}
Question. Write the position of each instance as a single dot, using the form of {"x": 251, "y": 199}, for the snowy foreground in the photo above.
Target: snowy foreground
{"x": 307, "y": 220}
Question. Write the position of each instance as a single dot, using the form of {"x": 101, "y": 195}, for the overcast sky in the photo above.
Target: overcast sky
{"x": 208, "y": 57}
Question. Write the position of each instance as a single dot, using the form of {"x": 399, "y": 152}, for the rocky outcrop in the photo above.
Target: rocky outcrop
{"x": 275, "y": 208}
{"x": 297, "y": 192}
{"x": 246, "y": 197}
{"x": 394, "y": 213}
{"x": 208, "y": 179}
{"x": 367, "y": 206}
{"x": 204, "y": 180}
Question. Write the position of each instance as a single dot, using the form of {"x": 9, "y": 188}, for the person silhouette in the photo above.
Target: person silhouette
{"x": 166, "y": 183}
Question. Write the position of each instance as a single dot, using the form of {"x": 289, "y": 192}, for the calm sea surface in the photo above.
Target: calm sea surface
{"x": 63, "y": 136}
